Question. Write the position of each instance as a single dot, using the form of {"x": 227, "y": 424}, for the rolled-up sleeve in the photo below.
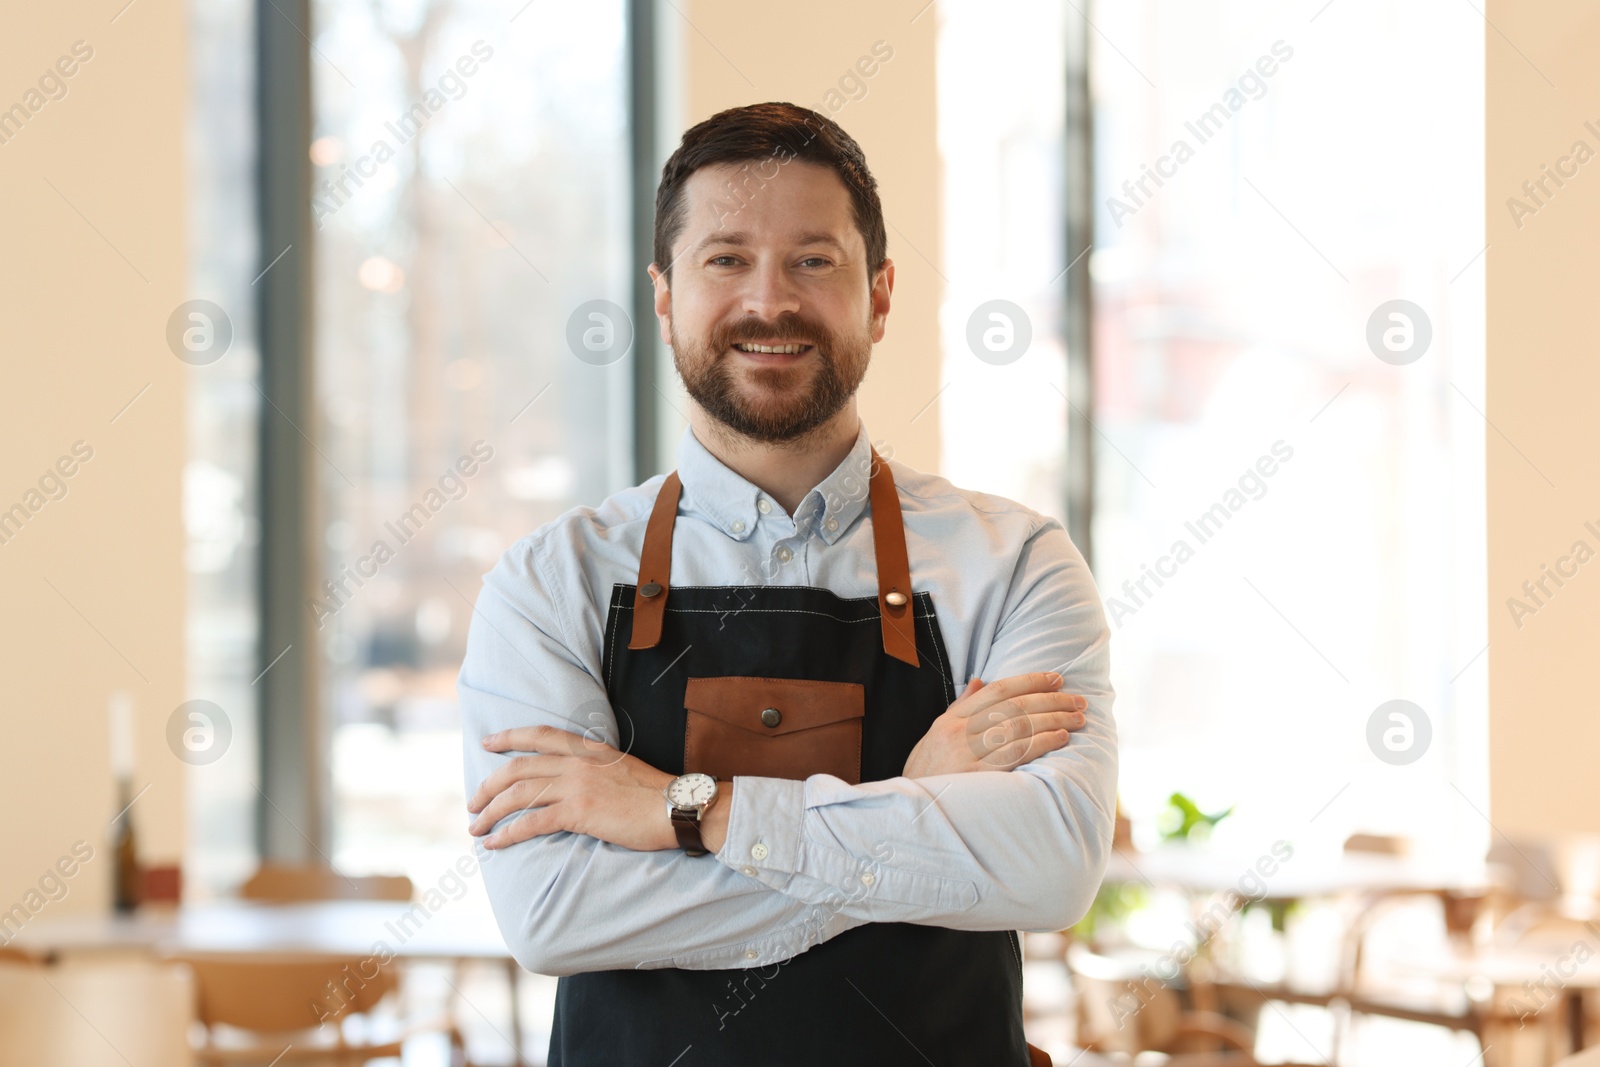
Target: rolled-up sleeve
{"x": 1022, "y": 849}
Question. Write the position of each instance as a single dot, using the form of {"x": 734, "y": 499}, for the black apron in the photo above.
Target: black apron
{"x": 882, "y": 993}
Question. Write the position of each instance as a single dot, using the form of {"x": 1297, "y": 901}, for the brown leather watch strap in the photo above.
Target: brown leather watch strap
{"x": 894, "y": 569}
{"x": 655, "y": 566}
{"x": 686, "y": 824}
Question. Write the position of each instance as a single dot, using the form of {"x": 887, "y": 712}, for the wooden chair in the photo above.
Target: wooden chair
{"x": 12, "y": 954}
{"x": 296, "y": 1010}
{"x": 96, "y": 1015}
{"x": 1377, "y": 845}
{"x": 279, "y": 883}
{"x": 1122, "y": 1008}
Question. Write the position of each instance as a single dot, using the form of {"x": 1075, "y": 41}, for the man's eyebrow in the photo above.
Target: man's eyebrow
{"x": 739, "y": 237}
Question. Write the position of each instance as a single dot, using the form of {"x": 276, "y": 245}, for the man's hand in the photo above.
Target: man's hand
{"x": 572, "y": 782}
{"x": 998, "y": 726}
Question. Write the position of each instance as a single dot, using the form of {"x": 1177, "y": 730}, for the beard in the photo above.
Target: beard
{"x": 772, "y": 404}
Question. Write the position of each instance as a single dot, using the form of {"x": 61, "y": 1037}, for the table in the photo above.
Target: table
{"x": 247, "y": 929}
{"x": 1461, "y": 888}
{"x": 1202, "y": 871}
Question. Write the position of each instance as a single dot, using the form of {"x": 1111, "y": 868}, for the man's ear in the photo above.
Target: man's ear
{"x": 663, "y": 303}
{"x": 882, "y": 287}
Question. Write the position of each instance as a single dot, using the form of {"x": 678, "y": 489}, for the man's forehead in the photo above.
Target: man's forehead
{"x": 802, "y": 203}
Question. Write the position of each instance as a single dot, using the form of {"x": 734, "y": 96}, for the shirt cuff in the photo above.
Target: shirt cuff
{"x": 767, "y": 840}
{"x": 764, "y": 828}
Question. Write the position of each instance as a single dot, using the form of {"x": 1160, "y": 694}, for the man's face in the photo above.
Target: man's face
{"x": 786, "y": 269}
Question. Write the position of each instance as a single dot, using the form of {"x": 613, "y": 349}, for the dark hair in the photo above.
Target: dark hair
{"x": 779, "y": 132}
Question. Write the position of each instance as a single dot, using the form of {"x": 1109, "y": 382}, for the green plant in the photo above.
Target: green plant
{"x": 1113, "y": 903}
{"x": 1184, "y": 821}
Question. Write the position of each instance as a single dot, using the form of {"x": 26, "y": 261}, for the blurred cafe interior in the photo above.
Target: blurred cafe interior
{"x": 1307, "y": 376}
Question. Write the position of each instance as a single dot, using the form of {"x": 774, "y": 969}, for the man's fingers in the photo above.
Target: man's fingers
{"x": 547, "y": 739}
{"x": 1056, "y": 720}
{"x": 1004, "y": 729}
{"x": 1018, "y": 685}
{"x": 973, "y": 685}
{"x": 1025, "y": 750}
{"x": 1012, "y": 717}
{"x": 546, "y": 820}
{"x": 512, "y": 771}
{"x": 530, "y": 794}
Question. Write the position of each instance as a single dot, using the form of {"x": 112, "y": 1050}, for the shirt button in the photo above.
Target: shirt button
{"x": 758, "y": 851}
{"x": 751, "y": 871}
{"x": 785, "y": 555}
{"x": 749, "y": 953}
{"x": 868, "y": 878}
{"x": 763, "y": 506}
{"x": 832, "y": 524}
{"x": 738, "y": 526}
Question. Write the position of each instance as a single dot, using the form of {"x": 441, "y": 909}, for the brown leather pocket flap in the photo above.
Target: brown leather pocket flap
{"x": 799, "y": 704}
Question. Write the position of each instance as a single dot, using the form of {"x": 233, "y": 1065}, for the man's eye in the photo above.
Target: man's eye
{"x": 716, "y": 259}
{"x": 815, "y": 259}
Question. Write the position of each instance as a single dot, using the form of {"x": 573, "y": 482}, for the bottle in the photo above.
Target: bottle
{"x": 125, "y": 848}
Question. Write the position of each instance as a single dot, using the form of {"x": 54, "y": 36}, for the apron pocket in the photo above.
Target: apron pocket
{"x": 773, "y": 727}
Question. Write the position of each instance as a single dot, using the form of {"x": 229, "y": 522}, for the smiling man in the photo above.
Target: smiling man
{"x": 713, "y": 735}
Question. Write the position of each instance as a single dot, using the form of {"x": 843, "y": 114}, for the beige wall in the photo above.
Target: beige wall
{"x": 728, "y": 60}
{"x": 93, "y": 584}
{"x": 1543, "y": 397}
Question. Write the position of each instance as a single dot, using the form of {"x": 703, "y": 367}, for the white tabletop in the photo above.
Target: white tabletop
{"x": 1202, "y": 871}
{"x": 325, "y": 928}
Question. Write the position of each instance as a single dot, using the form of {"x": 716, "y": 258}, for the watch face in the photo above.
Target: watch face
{"x": 692, "y": 790}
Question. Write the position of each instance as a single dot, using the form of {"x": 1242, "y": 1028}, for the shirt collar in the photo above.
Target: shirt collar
{"x": 730, "y": 501}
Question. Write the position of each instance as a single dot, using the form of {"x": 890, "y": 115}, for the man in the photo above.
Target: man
{"x": 733, "y": 797}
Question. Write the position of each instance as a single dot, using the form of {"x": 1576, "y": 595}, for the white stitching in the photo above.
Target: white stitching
{"x": 616, "y": 602}
{"x": 938, "y": 647}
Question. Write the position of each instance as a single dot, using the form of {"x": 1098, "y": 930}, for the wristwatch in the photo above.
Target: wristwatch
{"x": 688, "y": 797}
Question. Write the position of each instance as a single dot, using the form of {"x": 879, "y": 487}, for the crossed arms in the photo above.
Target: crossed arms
{"x": 582, "y": 868}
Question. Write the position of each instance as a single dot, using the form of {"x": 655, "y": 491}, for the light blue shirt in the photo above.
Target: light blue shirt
{"x": 803, "y": 861}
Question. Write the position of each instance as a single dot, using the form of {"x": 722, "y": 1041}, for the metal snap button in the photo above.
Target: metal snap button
{"x": 649, "y": 589}
{"x": 896, "y": 598}
{"x": 771, "y": 716}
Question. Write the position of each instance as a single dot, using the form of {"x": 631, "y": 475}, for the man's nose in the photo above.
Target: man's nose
{"x": 771, "y": 292}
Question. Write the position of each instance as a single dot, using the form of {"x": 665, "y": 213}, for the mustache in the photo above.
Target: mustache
{"x": 785, "y": 331}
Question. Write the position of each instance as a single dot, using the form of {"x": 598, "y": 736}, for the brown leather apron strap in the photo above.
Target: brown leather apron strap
{"x": 888, "y": 542}
{"x": 655, "y": 566}
{"x": 894, "y": 569}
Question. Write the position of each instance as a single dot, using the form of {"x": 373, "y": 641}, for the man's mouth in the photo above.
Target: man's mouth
{"x": 753, "y": 348}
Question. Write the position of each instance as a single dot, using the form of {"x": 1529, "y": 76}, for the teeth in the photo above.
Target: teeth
{"x": 788, "y": 350}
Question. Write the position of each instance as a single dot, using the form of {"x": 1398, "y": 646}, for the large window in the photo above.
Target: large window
{"x": 219, "y": 478}
{"x": 1289, "y": 509}
{"x": 1003, "y": 408}
{"x": 471, "y": 196}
